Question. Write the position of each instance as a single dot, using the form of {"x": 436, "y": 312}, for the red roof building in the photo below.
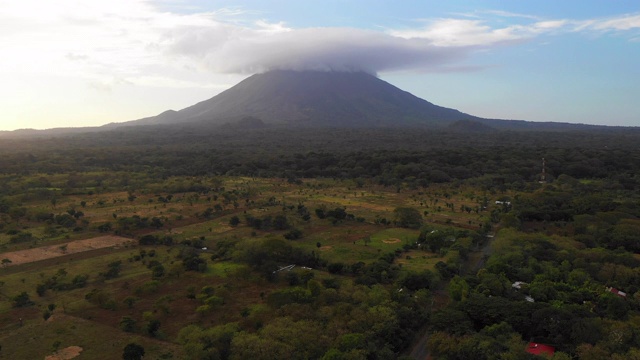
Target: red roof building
{"x": 540, "y": 349}
{"x": 617, "y": 292}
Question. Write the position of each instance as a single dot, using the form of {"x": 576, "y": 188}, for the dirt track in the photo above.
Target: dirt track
{"x": 65, "y": 354}
{"x": 53, "y": 251}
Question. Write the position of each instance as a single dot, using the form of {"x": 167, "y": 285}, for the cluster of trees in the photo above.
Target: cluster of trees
{"x": 60, "y": 282}
{"x": 408, "y": 217}
{"x": 318, "y": 320}
{"x": 268, "y": 222}
{"x": 20, "y": 236}
{"x": 554, "y": 287}
{"x": 191, "y": 260}
{"x": 336, "y": 215}
{"x": 266, "y": 256}
{"x": 113, "y": 270}
{"x": 125, "y": 225}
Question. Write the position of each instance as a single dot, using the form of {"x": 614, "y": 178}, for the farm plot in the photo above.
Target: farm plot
{"x": 53, "y": 251}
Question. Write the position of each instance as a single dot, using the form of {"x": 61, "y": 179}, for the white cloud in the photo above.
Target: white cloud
{"x": 620, "y": 23}
{"x": 130, "y": 40}
{"x": 459, "y": 32}
{"x": 508, "y": 14}
{"x": 126, "y": 39}
{"x": 272, "y": 28}
{"x": 548, "y": 25}
{"x": 244, "y": 50}
{"x": 463, "y": 32}
{"x": 94, "y": 40}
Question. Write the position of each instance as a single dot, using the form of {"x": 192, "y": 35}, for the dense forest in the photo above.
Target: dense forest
{"x": 388, "y": 156}
{"x": 322, "y": 243}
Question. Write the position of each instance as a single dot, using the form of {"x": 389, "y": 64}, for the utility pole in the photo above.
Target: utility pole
{"x": 543, "y": 177}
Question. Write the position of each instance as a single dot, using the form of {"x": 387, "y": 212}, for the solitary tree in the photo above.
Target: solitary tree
{"x": 133, "y": 351}
{"x": 152, "y": 327}
{"x": 128, "y": 324}
{"x": 22, "y": 300}
{"x": 130, "y": 301}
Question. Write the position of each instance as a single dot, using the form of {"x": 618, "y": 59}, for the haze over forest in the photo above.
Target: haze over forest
{"x": 75, "y": 64}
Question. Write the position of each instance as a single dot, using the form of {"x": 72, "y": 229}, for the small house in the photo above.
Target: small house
{"x": 617, "y": 292}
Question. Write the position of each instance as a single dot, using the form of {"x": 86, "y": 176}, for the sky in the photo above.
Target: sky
{"x": 74, "y": 63}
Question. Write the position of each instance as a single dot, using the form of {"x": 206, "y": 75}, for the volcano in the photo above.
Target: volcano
{"x": 313, "y": 98}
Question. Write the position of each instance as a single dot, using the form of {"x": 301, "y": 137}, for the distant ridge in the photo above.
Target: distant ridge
{"x": 470, "y": 126}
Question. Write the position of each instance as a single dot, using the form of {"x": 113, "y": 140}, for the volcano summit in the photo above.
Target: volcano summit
{"x": 314, "y": 98}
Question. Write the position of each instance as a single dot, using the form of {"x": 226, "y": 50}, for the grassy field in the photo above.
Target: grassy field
{"x": 175, "y": 298}
{"x": 36, "y": 339}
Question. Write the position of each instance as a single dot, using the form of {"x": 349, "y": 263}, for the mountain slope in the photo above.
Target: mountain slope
{"x": 314, "y": 98}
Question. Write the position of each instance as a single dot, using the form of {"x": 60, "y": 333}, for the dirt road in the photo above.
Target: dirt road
{"x": 53, "y": 251}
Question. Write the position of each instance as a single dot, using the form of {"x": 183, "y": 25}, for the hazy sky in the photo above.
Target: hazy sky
{"x": 86, "y": 63}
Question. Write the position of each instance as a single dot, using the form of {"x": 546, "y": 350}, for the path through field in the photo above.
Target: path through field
{"x": 52, "y": 251}
{"x": 65, "y": 354}
{"x": 420, "y": 350}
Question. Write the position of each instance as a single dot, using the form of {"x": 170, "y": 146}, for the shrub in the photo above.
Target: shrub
{"x": 293, "y": 234}
{"x": 22, "y": 300}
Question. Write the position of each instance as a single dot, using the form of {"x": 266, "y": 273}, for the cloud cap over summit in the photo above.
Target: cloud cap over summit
{"x": 316, "y": 49}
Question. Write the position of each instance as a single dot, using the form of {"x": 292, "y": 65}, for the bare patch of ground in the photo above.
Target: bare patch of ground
{"x": 391, "y": 241}
{"x": 221, "y": 229}
{"x": 65, "y": 354}
{"x": 325, "y": 248}
{"x": 52, "y": 251}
